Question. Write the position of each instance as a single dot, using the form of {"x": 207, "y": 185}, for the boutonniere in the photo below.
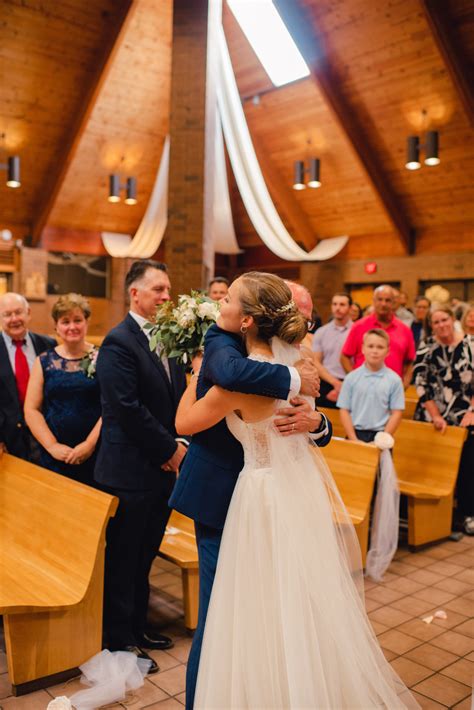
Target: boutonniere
{"x": 88, "y": 363}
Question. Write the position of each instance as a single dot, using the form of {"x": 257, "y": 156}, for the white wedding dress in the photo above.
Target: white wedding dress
{"x": 286, "y": 626}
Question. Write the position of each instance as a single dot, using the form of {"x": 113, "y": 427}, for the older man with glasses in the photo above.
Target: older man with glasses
{"x": 18, "y": 350}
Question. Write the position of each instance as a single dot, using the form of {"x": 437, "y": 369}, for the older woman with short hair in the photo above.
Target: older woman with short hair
{"x": 62, "y": 406}
{"x": 443, "y": 372}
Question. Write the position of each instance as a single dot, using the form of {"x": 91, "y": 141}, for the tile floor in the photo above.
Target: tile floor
{"x": 436, "y": 661}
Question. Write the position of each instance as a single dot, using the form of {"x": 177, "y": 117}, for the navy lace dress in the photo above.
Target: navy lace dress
{"x": 71, "y": 407}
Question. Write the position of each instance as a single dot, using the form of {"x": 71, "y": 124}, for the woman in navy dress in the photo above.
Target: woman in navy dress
{"x": 62, "y": 406}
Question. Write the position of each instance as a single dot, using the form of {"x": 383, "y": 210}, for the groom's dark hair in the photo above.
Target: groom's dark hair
{"x": 138, "y": 269}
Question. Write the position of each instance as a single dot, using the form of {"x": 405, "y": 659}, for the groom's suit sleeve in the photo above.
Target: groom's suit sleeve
{"x": 225, "y": 365}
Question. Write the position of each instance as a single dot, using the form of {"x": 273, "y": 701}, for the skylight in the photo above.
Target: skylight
{"x": 270, "y": 40}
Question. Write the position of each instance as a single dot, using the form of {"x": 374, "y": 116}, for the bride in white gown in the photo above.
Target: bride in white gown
{"x": 286, "y": 626}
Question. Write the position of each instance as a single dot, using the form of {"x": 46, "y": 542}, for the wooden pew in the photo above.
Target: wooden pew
{"x": 52, "y": 542}
{"x": 334, "y": 417}
{"x": 427, "y": 464}
{"x": 411, "y": 400}
{"x": 179, "y": 546}
{"x": 354, "y": 468}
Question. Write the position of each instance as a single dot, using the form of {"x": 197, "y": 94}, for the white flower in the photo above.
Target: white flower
{"x": 383, "y": 440}
{"x": 186, "y": 318}
{"x": 466, "y": 376}
{"x": 187, "y": 302}
{"x": 60, "y": 703}
{"x": 208, "y": 310}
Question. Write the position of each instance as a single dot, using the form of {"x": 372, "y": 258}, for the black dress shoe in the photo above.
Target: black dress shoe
{"x": 140, "y": 653}
{"x": 155, "y": 641}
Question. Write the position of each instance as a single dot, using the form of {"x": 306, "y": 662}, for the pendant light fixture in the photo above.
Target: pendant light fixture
{"x": 313, "y": 171}
{"x": 431, "y": 148}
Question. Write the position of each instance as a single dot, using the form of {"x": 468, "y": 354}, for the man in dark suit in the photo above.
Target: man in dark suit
{"x": 138, "y": 459}
{"x": 215, "y": 458}
{"x": 18, "y": 350}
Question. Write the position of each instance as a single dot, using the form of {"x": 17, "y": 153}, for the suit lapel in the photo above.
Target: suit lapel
{"x": 145, "y": 344}
{"x": 6, "y": 372}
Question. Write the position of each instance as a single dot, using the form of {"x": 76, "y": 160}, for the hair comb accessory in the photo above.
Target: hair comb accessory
{"x": 290, "y": 306}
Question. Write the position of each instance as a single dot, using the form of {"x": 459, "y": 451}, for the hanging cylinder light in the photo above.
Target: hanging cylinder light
{"x": 413, "y": 153}
{"x": 300, "y": 171}
{"x": 431, "y": 148}
{"x": 114, "y": 188}
{"x": 298, "y": 183}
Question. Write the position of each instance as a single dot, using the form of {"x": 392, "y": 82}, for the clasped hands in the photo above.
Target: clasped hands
{"x": 71, "y": 455}
{"x": 301, "y": 417}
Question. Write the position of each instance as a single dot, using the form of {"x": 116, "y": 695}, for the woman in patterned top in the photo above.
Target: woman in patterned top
{"x": 443, "y": 375}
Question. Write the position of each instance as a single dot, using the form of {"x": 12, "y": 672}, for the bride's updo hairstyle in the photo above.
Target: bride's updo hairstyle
{"x": 268, "y": 300}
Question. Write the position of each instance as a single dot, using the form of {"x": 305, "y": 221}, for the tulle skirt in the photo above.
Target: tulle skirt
{"x": 287, "y": 626}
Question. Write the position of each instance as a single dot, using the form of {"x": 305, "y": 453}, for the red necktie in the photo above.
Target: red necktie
{"x": 22, "y": 371}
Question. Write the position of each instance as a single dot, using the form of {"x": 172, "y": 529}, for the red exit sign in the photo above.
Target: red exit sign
{"x": 370, "y": 267}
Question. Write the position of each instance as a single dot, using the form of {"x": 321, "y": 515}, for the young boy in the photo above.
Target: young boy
{"x": 372, "y": 397}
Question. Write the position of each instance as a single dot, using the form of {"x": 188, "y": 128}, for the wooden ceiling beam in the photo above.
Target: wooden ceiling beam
{"x": 301, "y": 28}
{"x": 440, "y": 24}
{"x": 61, "y": 161}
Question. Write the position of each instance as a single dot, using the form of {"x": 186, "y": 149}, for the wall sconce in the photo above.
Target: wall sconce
{"x": 431, "y": 148}
{"x": 12, "y": 166}
{"x": 115, "y": 186}
{"x": 313, "y": 171}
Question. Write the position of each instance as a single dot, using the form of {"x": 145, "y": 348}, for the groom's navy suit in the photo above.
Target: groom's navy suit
{"x": 214, "y": 460}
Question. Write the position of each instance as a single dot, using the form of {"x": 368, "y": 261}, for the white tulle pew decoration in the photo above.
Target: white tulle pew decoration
{"x": 109, "y": 677}
{"x": 384, "y": 532}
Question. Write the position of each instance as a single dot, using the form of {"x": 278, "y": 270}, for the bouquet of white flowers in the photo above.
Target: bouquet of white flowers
{"x": 180, "y": 330}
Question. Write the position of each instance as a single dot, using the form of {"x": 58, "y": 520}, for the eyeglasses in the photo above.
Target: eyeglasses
{"x": 8, "y": 314}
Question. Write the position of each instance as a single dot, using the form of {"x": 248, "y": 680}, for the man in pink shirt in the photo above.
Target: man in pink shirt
{"x": 402, "y": 345}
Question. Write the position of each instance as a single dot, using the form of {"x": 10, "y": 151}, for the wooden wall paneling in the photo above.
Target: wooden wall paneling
{"x": 126, "y": 129}
{"x": 439, "y": 21}
{"x": 311, "y": 45}
{"x": 294, "y": 123}
{"x": 325, "y": 278}
{"x": 392, "y": 73}
{"x": 63, "y": 158}
{"x": 73, "y": 240}
{"x": 47, "y": 53}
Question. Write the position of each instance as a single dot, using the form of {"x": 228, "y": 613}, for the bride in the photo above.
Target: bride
{"x": 286, "y": 626}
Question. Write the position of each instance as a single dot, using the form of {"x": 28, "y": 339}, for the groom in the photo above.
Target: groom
{"x": 215, "y": 458}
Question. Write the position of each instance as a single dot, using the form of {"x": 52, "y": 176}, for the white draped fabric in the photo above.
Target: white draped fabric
{"x": 248, "y": 175}
{"x": 148, "y": 237}
{"x": 225, "y": 241}
{"x": 230, "y": 118}
{"x": 384, "y": 533}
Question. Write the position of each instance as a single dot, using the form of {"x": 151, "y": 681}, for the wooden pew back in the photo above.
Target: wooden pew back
{"x": 427, "y": 461}
{"x": 52, "y": 542}
{"x": 334, "y": 417}
{"x": 47, "y": 517}
{"x": 354, "y": 468}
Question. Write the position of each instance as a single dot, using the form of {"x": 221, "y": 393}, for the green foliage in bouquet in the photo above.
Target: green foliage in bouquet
{"x": 180, "y": 330}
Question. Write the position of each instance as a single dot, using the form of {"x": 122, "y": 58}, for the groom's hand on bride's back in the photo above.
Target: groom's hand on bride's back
{"x": 308, "y": 373}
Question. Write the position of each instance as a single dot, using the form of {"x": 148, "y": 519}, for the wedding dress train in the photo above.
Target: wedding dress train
{"x": 287, "y": 626}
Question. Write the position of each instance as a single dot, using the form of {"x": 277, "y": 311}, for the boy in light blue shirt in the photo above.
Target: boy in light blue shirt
{"x": 372, "y": 398}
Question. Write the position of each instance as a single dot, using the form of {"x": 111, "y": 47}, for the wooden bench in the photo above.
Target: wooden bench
{"x": 334, "y": 417}
{"x": 411, "y": 400}
{"x": 427, "y": 464}
{"x": 354, "y": 468}
{"x": 52, "y": 542}
{"x": 179, "y": 546}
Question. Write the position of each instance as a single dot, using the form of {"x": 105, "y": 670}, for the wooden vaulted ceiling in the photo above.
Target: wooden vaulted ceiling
{"x": 85, "y": 92}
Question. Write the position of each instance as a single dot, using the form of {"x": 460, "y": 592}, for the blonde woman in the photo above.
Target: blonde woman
{"x": 286, "y": 626}
{"x": 62, "y": 406}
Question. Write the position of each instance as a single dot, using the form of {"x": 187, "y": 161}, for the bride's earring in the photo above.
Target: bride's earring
{"x": 243, "y": 329}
